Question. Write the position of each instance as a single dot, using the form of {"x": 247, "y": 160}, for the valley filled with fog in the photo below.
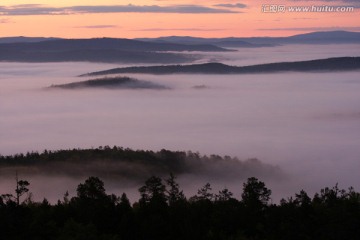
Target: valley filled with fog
{"x": 307, "y": 124}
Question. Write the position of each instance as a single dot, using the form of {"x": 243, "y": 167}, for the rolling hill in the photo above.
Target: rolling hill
{"x": 111, "y": 83}
{"x": 100, "y": 50}
{"x": 330, "y": 64}
{"x": 325, "y": 37}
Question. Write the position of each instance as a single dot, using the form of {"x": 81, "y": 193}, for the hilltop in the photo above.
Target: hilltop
{"x": 111, "y": 83}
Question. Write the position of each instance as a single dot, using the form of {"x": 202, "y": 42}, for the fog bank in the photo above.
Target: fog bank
{"x": 306, "y": 123}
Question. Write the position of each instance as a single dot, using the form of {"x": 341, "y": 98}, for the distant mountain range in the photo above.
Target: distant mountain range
{"x": 98, "y": 50}
{"x": 220, "y": 42}
{"x": 331, "y": 37}
{"x": 25, "y": 39}
{"x": 148, "y": 50}
{"x": 329, "y": 64}
{"x": 107, "y": 43}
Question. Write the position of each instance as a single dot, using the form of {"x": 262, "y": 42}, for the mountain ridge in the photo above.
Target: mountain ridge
{"x": 101, "y": 50}
{"x": 328, "y": 64}
{"x": 317, "y": 37}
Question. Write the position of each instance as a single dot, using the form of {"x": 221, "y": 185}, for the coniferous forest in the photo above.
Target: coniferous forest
{"x": 162, "y": 211}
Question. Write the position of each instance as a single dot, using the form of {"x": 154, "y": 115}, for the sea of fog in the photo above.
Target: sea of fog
{"x": 308, "y": 124}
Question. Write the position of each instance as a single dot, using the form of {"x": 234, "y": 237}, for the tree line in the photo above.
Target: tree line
{"x": 164, "y": 212}
{"x": 329, "y": 65}
{"x": 135, "y": 165}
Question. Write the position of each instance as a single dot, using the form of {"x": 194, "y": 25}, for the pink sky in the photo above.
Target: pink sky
{"x": 154, "y": 18}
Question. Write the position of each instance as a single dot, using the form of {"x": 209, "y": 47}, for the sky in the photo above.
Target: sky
{"x": 154, "y": 18}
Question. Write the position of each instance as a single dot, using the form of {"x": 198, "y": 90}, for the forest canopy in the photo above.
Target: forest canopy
{"x": 163, "y": 212}
{"x": 125, "y": 163}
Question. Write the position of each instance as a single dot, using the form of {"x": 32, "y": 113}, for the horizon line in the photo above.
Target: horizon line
{"x": 232, "y": 36}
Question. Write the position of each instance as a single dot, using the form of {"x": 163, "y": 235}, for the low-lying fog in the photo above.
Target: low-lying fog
{"x": 285, "y": 53}
{"x": 306, "y": 123}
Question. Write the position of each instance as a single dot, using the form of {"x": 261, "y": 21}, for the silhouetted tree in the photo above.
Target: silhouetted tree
{"x": 224, "y": 195}
{"x": 20, "y": 190}
{"x": 124, "y": 202}
{"x": 153, "y": 191}
{"x": 93, "y": 188}
{"x": 204, "y": 193}
{"x": 255, "y": 193}
{"x": 174, "y": 194}
{"x": 153, "y": 215}
{"x": 302, "y": 199}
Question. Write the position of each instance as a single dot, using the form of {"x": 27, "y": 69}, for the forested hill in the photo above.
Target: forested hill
{"x": 125, "y": 163}
{"x": 329, "y": 64}
{"x": 111, "y": 83}
{"x": 107, "y": 43}
{"x": 101, "y": 50}
{"x": 162, "y": 211}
